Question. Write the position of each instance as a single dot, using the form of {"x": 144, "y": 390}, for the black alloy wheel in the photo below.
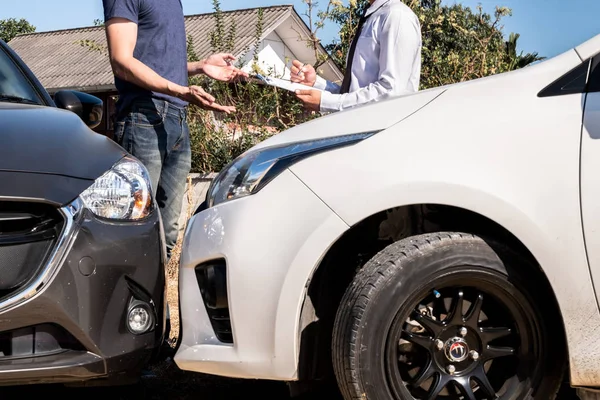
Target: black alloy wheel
{"x": 440, "y": 317}
{"x": 462, "y": 341}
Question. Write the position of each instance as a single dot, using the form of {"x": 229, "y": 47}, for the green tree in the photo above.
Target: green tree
{"x": 459, "y": 43}
{"x": 316, "y": 19}
{"x": 10, "y": 28}
{"x": 346, "y": 16}
{"x": 520, "y": 60}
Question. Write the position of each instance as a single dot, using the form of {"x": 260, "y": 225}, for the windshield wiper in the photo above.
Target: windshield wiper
{"x": 16, "y": 99}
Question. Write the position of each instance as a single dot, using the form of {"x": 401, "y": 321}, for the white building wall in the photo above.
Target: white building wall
{"x": 274, "y": 57}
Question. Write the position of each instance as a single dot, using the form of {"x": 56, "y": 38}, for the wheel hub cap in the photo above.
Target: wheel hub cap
{"x": 451, "y": 347}
{"x": 456, "y": 349}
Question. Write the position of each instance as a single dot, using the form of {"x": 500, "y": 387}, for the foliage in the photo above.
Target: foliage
{"x": 346, "y": 16}
{"x": 92, "y": 44}
{"x": 316, "y": 19}
{"x": 521, "y": 60}
{"x": 261, "y": 110}
{"x": 459, "y": 43}
{"x": 10, "y": 28}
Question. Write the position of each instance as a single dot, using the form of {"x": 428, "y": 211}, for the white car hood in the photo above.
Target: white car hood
{"x": 370, "y": 117}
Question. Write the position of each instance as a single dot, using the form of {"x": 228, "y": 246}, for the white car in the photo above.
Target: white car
{"x": 444, "y": 244}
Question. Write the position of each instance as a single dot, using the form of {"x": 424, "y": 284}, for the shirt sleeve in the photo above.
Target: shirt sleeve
{"x": 323, "y": 84}
{"x": 128, "y": 9}
{"x": 400, "y": 42}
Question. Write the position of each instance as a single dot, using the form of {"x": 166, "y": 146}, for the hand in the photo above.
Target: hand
{"x": 196, "y": 95}
{"x": 310, "y": 98}
{"x": 219, "y": 67}
{"x": 303, "y": 73}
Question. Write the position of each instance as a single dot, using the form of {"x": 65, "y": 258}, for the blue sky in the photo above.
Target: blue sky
{"x": 546, "y": 26}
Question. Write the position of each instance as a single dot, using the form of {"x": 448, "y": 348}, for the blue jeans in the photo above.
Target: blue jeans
{"x": 156, "y": 133}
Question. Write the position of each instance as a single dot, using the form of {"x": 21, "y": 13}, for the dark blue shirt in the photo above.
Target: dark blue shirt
{"x": 161, "y": 44}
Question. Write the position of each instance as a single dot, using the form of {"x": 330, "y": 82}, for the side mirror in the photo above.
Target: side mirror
{"x": 88, "y": 107}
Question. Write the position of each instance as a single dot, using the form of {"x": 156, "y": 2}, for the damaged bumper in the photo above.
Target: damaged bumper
{"x": 95, "y": 309}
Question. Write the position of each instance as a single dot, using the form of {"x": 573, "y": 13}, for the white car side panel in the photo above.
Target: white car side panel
{"x": 283, "y": 228}
{"x": 590, "y": 181}
{"x": 513, "y": 159}
{"x": 590, "y": 194}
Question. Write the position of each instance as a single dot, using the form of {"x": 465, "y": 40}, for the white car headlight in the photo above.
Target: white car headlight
{"x": 122, "y": 193}
{"x": 251, "y": 171}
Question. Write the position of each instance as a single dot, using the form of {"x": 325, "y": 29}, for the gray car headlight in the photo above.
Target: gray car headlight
{"x": 251, "y": 171}
{"x": 122, "y": 193}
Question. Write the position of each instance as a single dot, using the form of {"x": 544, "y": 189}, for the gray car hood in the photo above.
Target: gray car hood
{"x": 47, "y": 140}
{"x": 50, "y": 155}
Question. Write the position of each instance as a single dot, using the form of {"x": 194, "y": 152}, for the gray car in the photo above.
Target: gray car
{"x": 82, "y": 277}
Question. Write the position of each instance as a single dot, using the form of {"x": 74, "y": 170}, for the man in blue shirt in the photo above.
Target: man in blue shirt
{"x": 148, "y": 52}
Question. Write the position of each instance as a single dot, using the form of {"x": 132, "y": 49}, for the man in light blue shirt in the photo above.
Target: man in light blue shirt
{"x": 384, "y": 60}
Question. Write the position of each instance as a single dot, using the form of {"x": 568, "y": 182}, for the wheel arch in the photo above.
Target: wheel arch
{"x": 374, "y": 232}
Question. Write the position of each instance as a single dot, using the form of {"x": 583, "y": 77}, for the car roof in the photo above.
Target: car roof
{"x": 589, "y": 48}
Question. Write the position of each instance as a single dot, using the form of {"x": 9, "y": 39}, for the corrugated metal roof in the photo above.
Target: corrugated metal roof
{"x": 59, "y": 60}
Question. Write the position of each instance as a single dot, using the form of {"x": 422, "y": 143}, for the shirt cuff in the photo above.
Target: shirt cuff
{"x": 330, "y": 102}
{"x": 320, "y": 83}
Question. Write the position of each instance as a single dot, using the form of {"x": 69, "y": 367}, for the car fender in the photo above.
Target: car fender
{"x": 521, "y": 172}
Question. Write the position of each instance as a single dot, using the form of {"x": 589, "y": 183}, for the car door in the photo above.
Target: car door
{"x": 590, "y": 170}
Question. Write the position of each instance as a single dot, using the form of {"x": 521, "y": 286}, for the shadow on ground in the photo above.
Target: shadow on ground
{"x": 170, "y": 383}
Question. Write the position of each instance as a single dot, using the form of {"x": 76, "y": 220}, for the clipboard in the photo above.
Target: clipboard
{"x": 283, "y": 83}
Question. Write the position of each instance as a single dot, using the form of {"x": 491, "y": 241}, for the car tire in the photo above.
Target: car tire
{"x": 397, "y": 335}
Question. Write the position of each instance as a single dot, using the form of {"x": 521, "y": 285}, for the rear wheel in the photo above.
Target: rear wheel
{"x": 445, "y": 316}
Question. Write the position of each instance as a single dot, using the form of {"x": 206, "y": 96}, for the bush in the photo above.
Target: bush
{"x": 262, "y": 111}
{"x": 213, "y": 147}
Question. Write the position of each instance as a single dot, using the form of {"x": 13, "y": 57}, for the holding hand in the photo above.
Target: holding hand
{"x": 220, "y": 67}
{"x": 310, "y": 98}
{"x": 303, "y": 73}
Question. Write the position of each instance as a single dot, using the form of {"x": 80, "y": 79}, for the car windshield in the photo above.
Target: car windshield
{"x": 14, "y": 86}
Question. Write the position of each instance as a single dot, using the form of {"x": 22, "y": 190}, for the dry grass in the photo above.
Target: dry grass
{"x": 173, "y": 271}
{"x": 172, "y": 291}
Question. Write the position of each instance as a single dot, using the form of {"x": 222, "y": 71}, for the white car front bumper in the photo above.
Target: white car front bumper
{"x": 271, "y": 244}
